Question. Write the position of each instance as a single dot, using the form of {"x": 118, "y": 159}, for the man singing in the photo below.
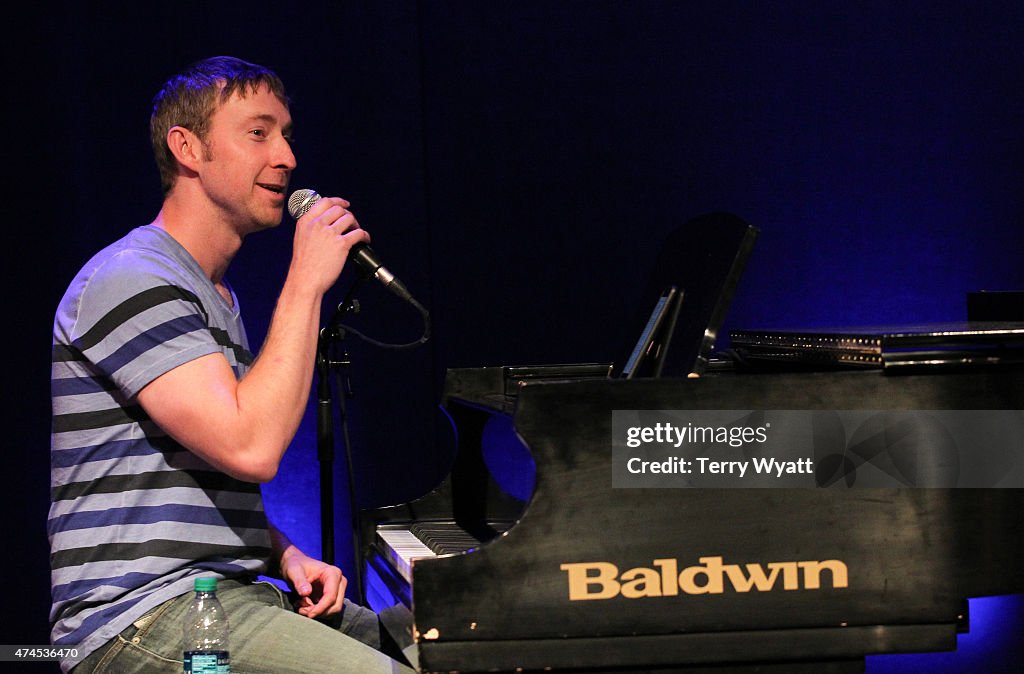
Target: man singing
{"x": 164, "y": 424}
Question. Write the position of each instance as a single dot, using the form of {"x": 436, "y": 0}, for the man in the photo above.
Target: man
{"x": 164, "y": 424}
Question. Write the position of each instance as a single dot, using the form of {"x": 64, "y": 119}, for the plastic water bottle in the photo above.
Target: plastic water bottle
{"x": 206, "y": 632}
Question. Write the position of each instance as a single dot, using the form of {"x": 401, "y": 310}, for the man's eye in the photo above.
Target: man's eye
{"x": 258, "y": 132}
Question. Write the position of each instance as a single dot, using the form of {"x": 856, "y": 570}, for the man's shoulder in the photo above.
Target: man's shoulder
{"x": 143, "y": 258}
{"x": 142, "y": 263}
{"x": 144, "y": 251}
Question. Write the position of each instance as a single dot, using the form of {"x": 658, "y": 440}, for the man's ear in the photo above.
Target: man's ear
{"x": 185, "y": 146}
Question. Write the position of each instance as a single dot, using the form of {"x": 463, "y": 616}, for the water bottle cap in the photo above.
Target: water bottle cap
{"x": 206, "y": 585}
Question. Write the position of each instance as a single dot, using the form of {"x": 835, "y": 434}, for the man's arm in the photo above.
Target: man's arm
{"x": 244, "y": 427}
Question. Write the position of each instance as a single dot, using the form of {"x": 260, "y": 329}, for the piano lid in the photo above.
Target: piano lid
{"x": 923, "y": 345}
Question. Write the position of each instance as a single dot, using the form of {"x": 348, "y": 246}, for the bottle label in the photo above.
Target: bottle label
{"x": 207, "y": 662}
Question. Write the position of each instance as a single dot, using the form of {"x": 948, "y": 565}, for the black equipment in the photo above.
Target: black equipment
{"x": 560, "y": 571}
{"x": 912, "y": 556}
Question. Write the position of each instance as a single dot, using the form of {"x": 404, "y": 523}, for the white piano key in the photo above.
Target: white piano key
{"x": 401, "y": 547}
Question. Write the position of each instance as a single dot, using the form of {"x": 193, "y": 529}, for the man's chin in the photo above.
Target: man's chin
{"x": 269, "y": 221}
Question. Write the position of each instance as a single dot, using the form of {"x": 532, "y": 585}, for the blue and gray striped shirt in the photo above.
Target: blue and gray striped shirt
{"x": 134, "y": 516}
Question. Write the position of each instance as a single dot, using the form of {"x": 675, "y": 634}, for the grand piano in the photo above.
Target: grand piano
{"x": 536, "y": 561}
{"x": 572, "y": 574}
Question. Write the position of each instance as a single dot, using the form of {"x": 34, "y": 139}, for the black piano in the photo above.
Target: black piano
{"x": 575, "y": 575}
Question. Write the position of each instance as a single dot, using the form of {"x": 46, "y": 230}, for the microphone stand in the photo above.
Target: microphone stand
{"x": 325, "y": 364}
{"x": 335, "y": 333}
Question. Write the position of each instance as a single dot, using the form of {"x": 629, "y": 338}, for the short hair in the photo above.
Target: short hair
{"x": 190, "y": 98}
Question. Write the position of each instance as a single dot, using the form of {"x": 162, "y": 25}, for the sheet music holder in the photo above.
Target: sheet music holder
{"x": 652, "y": 347}
{"x": 703, "y": 259}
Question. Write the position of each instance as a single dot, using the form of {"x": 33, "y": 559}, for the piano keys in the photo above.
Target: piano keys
{"x": 400, "y": 547}
{"x": 674, "y": 578}
{"x": 402, "y": 544}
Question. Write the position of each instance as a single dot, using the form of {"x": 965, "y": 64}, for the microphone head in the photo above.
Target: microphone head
{"x": 301, "y": 201}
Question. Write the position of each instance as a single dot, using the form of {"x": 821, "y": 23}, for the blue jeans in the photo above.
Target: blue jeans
{"x": 266, "y": 636}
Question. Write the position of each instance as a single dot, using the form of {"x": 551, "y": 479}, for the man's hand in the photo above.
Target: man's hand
{"x": 320, "y": 586}
{"x": 324, "y": 235}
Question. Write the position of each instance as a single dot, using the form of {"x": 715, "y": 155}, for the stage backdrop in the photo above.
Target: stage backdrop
{"x": 518, "y": 164}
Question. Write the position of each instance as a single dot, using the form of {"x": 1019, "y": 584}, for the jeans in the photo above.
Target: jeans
{"x": 266, "y": 636}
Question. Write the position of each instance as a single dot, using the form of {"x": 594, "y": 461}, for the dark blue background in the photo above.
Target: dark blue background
{"x": 518, "y": 164}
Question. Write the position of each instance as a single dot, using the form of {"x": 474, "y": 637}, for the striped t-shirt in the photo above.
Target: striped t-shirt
{"x": 134, "y": 516}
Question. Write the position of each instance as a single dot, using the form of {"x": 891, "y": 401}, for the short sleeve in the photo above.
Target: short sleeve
{"x": 133, "y": 323}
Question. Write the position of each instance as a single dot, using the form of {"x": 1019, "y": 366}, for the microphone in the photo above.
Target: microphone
{"x": 303, "y": 200}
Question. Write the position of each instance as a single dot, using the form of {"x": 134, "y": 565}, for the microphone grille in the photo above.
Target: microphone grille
{"x": 301, "y": 201}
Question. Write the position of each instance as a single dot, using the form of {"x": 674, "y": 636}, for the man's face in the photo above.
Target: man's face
{"x": 248, "y": 160}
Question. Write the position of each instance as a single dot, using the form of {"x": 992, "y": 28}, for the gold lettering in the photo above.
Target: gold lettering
{"x": 580, "y": 580}
{"x": 641, "y": 582}
{"x": 790, "y": 574}
{"x": 812, "y": 573}
{"x": 757, "y": 577}
{"x": 601, "y": 580}
{"x": 669, "y": 574}
{"x": 712, "y": 570}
